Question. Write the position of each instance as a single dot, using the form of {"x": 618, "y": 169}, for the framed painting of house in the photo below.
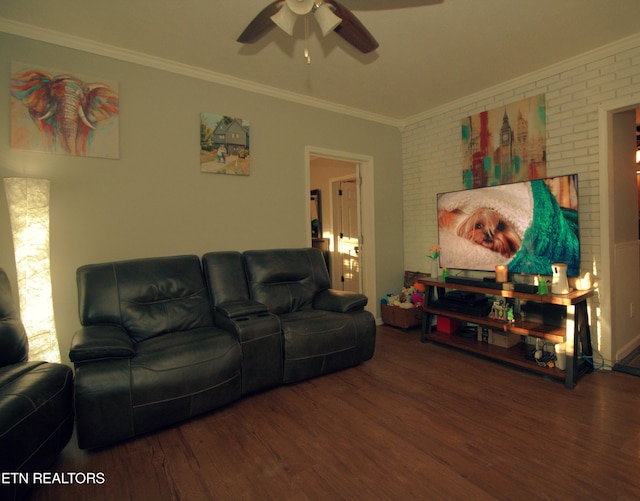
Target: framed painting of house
{"x": 224, "y": 145}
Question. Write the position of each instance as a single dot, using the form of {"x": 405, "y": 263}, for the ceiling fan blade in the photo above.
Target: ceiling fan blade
{"x": 352, "y": 30}
{"x": 356, "y": 5}
{"x": 261, "y": 24}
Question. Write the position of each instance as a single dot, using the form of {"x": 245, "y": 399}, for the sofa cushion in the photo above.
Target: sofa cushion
{"x": 286, "y": 280}
{"x": 147, "y": 297}
{"x": 171, "y": 378}
{"x": 183, "y": 364}
{"x": 225, "y": 276}
{"x": 181, "y": 375}
{"x": 317, "y": 342}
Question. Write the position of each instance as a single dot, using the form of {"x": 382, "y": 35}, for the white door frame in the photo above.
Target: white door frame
{"x": 366, "y": 209}
{"x": 605, "y": 335}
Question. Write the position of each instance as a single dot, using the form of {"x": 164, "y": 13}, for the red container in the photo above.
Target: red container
{"x": 447, "y": 325}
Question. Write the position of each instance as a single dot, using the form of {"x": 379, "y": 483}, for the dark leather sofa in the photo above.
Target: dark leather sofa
{"x": 166, "y": 339}
{"x": 36, "y": 411}
{"x": 322, "y": 330}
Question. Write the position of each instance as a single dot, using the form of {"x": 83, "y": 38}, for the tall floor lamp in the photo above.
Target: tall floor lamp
{"x": 28, "y": 201}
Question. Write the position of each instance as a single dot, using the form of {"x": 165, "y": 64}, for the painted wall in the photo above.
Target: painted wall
{"x": 154, "y": 201}
{"x": 575, "y": 92}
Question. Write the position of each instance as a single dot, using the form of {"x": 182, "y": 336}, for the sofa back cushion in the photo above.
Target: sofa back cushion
{"x": 225, "y": 276}
{"x": 286, "y": 280}
{"x": 147, "y": 297}
{"x": 14, "y": 346}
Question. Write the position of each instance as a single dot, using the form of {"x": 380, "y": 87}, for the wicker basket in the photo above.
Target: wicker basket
{"x": 405, "y": 318}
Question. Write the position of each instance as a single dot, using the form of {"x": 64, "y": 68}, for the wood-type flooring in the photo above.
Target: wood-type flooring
{"x": 418, "y": 421}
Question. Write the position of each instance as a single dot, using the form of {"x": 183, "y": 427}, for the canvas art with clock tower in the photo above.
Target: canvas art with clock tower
{"x": 506, "y": 144}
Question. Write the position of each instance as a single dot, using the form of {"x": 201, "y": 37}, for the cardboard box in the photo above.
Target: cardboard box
{"x": 447, "y": 325}
{"x": 405, "y": 318}
{"x": 504, "y": 339}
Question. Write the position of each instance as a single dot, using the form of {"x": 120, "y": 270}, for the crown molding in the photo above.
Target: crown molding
{"x": 64, "y": 40}
{"x": 72, "y": 42}
{"x": 628, "y": 43}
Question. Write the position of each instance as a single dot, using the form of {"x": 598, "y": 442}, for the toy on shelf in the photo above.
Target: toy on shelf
{"x": 543, "y": 289}
{"x": 502, "y": 310}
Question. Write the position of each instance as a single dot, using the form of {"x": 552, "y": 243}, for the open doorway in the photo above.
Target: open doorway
{"x": 619, "y": 274}
{"x": 344, "y": 184}
{"x": 334, "y": 182}
{"x": 346, "y": 233}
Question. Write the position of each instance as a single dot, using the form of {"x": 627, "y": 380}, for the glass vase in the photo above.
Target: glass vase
{"x": 435, "y": 269}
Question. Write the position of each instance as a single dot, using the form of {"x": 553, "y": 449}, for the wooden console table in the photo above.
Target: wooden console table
{"x": 575, "y": 332}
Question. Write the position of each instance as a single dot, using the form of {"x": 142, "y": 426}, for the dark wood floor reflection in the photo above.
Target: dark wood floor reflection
{"x": 418, "y": 421}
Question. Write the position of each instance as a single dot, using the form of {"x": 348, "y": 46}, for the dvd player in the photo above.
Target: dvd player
{"x": 478, "y": 309}
{"x": 464, "y": 297}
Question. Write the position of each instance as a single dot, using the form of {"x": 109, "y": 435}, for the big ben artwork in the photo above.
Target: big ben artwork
{"x": 506, "y": 144}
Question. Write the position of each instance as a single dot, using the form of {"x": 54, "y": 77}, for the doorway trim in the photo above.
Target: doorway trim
{"x": 367, "y": 217}
{"x": 606, "y": 341}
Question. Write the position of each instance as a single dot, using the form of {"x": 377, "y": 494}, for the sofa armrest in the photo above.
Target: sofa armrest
{"x": 234, "y": 309}
{"x": 339, "y": 301}
{"x": 99, "y": 342}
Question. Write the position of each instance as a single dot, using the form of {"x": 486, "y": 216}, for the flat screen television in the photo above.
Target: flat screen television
{"x": 528, "y": 225}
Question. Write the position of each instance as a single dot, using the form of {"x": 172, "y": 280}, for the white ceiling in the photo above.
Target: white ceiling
{"x": 431, "y": 52}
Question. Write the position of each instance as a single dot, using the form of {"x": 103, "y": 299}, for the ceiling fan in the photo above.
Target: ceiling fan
{"x": 331, "y": 16}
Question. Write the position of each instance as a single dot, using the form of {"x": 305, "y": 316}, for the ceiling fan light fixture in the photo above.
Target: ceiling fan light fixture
{"x": 329, "y": 14}
{"x": 327, "y": 20}
{"x": 300, "y": 7}
{"x": 285, "y": 19}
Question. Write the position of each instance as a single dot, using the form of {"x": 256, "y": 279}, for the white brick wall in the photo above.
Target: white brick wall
{"x": 574, "y": 91}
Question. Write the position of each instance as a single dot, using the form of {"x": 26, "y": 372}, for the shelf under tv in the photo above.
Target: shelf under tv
{"x": 516, "y": 355}
{"x": 578, "y": 338}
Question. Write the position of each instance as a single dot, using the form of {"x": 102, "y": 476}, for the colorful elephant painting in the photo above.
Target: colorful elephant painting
{"x": 66, "y": 111}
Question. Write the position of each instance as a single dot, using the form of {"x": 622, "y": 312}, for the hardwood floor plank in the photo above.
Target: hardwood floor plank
{"x": 418, "y": 421}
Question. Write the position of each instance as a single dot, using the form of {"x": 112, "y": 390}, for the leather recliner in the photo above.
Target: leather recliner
{"x": 323, "y": 329}
{"x": 36, "y": 411}
{"x": 148, "y": 354}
